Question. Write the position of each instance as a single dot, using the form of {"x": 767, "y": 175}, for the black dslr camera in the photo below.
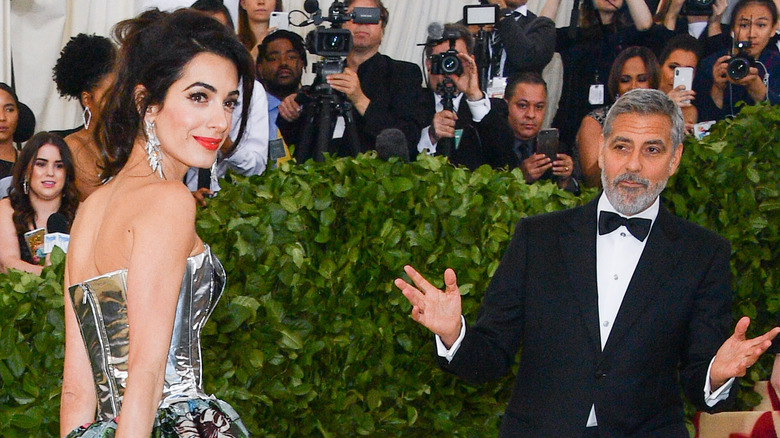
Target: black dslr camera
{"x": 446, "y": 63}
{"x": 697, "y": 7}
{"x": 739, "y": 65}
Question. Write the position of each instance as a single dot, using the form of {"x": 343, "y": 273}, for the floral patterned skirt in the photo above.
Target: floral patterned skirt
{"x": 187, "y": 419}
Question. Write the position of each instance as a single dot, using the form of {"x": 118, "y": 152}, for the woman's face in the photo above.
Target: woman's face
{"x": 9, "y": 116}
{"x": 678, "y": 58}
{"x": 194, "y": 120}
{"x": 47, "y": 176}
{"x": 607, "y": 5}
{"x": 754, "y": 24}
{"x": 258, "y": 11}
{"x": 633, "y": 75}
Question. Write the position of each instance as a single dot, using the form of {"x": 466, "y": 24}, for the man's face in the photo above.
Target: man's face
{"x": 282, "y": 66}
{"x": 364, "y": 36}
{"x": 460, "y": 46}
{"x": 637, "y": 160}
{"x": 526, "y": 110}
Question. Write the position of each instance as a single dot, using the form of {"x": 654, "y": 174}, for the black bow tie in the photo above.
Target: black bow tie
{"x": 638, "y": 227}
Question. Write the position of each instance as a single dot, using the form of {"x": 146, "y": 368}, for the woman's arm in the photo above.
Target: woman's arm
{"x": 640, "y": 13}
{"x": 588, "y": 138}
{"x": 78, "y": 400}
{"x": 10, "y": 254}
{"x": 163, "y": 236}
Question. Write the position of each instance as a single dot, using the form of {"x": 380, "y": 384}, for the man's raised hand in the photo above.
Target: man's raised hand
{"x": 439, "y": 311}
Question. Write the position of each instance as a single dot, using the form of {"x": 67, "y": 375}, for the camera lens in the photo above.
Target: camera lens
{"x": 450, "y": 65}
{"x": 738, "y": 67}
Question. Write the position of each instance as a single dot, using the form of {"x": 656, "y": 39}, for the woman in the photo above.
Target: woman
{"x": 154, "y": 279}
{"x": 635, "y": 67}
{"x": 84, "y": 72}
{"x": 17, "y": 124}
{"x": 42, "y": 184}
{"x": 253, "y": 19}
{"x": 719, "y": 92}
{"x": 681, "y": 51}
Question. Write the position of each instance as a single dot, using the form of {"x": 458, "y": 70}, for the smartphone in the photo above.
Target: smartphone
{"x": 279, "y": 20}
{"x": 683, "y": 76}
{"x": 480, "y": 15}
{"x": 547, "y": 143}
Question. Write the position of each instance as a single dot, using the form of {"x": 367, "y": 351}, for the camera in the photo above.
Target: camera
{"x": 329, "y": 42}
{"x": 697, "y": 7}
{"x": 739, "y": 65}
{"x": 445, "y": 63}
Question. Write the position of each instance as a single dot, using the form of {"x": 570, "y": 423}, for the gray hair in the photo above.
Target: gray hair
{"x": 648, "y": 102}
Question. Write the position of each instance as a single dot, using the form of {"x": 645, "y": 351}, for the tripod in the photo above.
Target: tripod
{"x": 448, "y": 91}
{"x": 322, "y": 105}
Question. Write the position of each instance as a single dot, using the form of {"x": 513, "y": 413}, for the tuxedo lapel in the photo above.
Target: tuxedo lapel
{"x": 651, "y": 274}
{"x": 578, "y": 245}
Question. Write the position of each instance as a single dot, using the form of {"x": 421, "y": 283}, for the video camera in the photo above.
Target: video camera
{"x": 334, "y": 43}
{"x": 483, "y": 14}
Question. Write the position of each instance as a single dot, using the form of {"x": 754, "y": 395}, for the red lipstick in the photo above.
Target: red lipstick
{"x": 209, "y": 143}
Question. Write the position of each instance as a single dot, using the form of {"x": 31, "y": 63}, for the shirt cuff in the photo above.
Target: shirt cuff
{"x": 712, "y": 398}
{"x": 442, "y": 351}
{"x": 479, "y": 108}
{"x": 425, "y": 145}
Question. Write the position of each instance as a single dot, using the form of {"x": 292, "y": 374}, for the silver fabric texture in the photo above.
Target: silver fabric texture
{"x": 101, "y": 309}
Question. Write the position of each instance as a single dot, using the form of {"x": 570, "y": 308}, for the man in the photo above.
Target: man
{"x": 526, "y": 97}
{"x": 281, "y": 58}
{"x": 521, "y": 41}
{"x": 385, "y": 93}
{"x": 473, "y": 117}
{"x": 605, "y": 313}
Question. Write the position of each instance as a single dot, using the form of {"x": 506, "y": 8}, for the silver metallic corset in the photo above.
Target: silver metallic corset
{"x": 101, "y": 309}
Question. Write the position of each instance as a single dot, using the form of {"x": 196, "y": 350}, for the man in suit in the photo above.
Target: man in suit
{"x": 384, "y": 93}
{"x": 615, "y": 304}
{"x": 459, "y": 133}
{"x": 521, "y": 41}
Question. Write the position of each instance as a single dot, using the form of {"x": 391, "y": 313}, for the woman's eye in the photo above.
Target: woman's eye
{"x": 198, "y": 97}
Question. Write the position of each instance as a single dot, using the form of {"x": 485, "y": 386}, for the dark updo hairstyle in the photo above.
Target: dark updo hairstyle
{"x": 25, "y": 125}
{"x": 154, "y": 49}
{"x": 24, "y": 213}
{"x": 83, "y": 63}
{"x": 647, "y": 57}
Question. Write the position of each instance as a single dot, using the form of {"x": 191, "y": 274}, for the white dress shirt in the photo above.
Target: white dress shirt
{"x": 522, "y": 10}
{"x": 617, "y": 255}
{"x": 479, "y": 109}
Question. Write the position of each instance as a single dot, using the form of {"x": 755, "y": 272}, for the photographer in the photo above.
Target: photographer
{"x": 750, "y": 73}
{"x": 384, "y": 92}
{"x": 472, "y": 113}
{"x": 521, "y": 40}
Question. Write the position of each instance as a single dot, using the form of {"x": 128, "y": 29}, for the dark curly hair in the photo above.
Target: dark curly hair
{"x": 24, "y": 213}
{"x": 83, "y": 63}
{"x": 145, "y": 60}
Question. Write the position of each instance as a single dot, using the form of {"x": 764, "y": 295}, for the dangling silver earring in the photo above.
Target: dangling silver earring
{"x": 214, "y": 176}
{"x": 153, "y": 148}
{"x": 26, "y": 186}
{"x": 86, "y": 116}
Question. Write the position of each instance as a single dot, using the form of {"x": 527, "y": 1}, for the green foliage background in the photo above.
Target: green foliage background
{"x": 313, "y": 339}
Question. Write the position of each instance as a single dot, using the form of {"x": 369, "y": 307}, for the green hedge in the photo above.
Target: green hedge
{"x": 313, "y": 339}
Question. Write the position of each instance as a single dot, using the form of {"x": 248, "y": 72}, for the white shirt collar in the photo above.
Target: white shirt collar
{"x": 523, "y": 10}
{"x": 649, "y": 213}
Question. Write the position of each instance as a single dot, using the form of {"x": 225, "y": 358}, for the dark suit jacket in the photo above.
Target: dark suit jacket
{"x": 543, "y": 297}
{"x": 395, "y": 90}
{"x": 473, "y": 151}
{"x": 529, "y": 43}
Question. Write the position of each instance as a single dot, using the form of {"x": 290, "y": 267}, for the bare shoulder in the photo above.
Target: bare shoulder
{"x": 5, "y": 206}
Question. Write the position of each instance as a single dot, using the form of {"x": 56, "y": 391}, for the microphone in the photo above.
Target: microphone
{"x": 392, "y": 142}
{"x": 57, "y": 233}
{"x": 311, "y": 6}
{"x": 435, "y": 31}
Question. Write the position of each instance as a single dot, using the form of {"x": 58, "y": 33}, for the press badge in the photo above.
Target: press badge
{"x": 596, "y": 94}
{"x": 458, "y": 136}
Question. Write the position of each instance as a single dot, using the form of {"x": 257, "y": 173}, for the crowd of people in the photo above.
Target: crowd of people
{"x": 216, "y": 96}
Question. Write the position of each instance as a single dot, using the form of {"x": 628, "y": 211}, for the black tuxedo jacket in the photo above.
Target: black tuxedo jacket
{"x": 479, "y": 144}
{"x": 543, "y": 298}
{"x": 529, "y": 43}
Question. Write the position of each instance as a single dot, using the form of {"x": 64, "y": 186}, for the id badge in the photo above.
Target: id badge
{"x": 458, "y": 136}
{"x": 596, "y": 94}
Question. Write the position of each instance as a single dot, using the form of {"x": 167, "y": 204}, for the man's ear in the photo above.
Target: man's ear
{"x": 676, "y": 158}
{"x": 601, "y": 151}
